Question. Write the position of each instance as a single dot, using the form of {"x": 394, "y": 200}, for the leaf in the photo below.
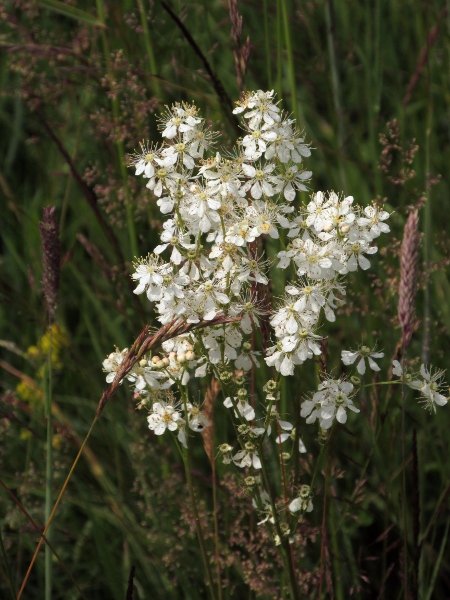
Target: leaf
{"x": 72, "y": 12}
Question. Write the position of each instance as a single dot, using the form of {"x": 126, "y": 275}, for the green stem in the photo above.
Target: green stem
{"x": 267, "y": 45}
{"x": 7, "y": 569}
{"x": 284, "y": 543}
{"x": 187, "y": 467}
{"x": 149, "y": 49}
{"x": 49, "y": 466}
{"x": 329, "y": 18}
{"x": 291, "y": 63}
{"x": 119, "y": 144}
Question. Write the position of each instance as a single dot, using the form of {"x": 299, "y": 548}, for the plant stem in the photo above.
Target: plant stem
{"x": 149, "y": 49}
{"x": 329, "y": 17}
{"x": 201, "y": 540}
{"x": 119, "y": 144}
{"x": 49, "y": 465}
{"x": 284, "y": 544}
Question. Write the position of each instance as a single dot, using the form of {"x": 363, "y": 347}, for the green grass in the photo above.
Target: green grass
{"x": 343, "y": 69}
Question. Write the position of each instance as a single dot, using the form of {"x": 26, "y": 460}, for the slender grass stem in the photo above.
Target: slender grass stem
{"x": 284, "y": 543}
{"x": 216, "y": 530}
{"x": 290, "y": 59}
{"x": 279, "y": 78}
{"x": 7, "y": 568}
{"x": 119, "y": 144}
{"x": 267, "y": 44}
{"x": 404, "y": 491}
{"x": 330, "y": 22}
{"x": 52, "y": 514}
{"x": 198, "y": 526}
{"x": 48, "y": 465}
{"x": 149, "y": 48}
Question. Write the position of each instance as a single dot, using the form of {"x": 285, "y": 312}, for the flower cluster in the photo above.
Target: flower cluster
{"x": 210, "y": 263}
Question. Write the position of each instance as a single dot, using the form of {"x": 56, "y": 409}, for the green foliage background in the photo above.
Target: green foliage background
{"x": 81, "y": 86}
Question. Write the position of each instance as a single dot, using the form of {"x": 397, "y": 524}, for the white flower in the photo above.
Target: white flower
{"x": 338, "y": 213}
{"x": 430, "y": 387}
{"x": 163, "y": 178}
{"x": 178, "y": 152}
{"x": 197, "y": 420}
{"x": 254, "y": 143}
{"x": 150, "y": 273}
{"x": 333, "y": 398}
{"x": 203, "y": 207}
{"x": 243, "y": 408}
{"x": 260, "y": 180}
{"x": 112, "y": 363}
{"x": 164, "y": 416}
{"x": 225, "y": 339}
{"x": 356, "y": 251}
{"x": 290, "y": 436}
{"x": 316, "y": 209}
{"x": 363, "y": 352}
{"x": 263, "y": 219}
{"x": 247, "y": 457}
{"x": 241, "y": 233}
{"x": 145, "y": 160}
{"x": 247, "y": 359}
{"x": 311, "y": 296}
{"x": 288, "y": 144}
{"x": 262, "y": 109}
{"x": 291, "y": 180}
{"x": 264, "y": 506}
{"x": 373, "y": 221}
{"x": 303, "y": 502}
{"x": 199, "y": 140}
{"x": 181, "y": 118}
{"x": 313, "y": 260}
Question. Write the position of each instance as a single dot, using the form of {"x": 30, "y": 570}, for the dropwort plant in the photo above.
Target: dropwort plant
{"x": 221, "y": 206}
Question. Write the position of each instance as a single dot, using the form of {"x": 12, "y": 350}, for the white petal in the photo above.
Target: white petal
{"x": 361, "y": 367}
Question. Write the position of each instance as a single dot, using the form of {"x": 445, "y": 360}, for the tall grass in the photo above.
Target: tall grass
{"x": 80, "y": 89}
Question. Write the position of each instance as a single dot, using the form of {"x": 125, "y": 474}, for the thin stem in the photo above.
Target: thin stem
{"x": 7, "y": 569}
{"x": 216, "y": 529}
{"x": 149, "y": 48}
{"x": 49, "y": 464}
{"x": 329, "y": 17}
{"x": 201, "y": 539}
{"x": 285, "y": 552}
{"x": 52, "y": 514}
{"x": 119, "y": 143}
{"x": 267, "y": 45}
{"x": 405, "y": 530}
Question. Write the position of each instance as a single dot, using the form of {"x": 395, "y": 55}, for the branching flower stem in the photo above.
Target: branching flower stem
{"x": 187, "y": 467}
{"x": 284, "y": 543}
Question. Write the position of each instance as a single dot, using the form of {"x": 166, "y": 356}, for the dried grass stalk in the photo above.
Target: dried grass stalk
{"x": 148, "y": 340}
{"x": 51, "y": 257}
{"x": 242, "y": 50}
{"x": 409, "y": 256}
{"x": 208, "y": 411}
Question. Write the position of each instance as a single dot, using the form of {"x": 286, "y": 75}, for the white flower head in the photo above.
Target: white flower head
{"x": 304, "y": 500}
{"x": 333, "y": 398}
{"x": 164, "y": 416}
{"x": 144, "y": 161}
{"x": 430, "y": 387}
{"x": 113, "y": 362}
{"x": 261, "y": 109}
{"x": 247, "y": 457}
{"x": 363, "y": 353}
{"x": 180, "y": 118}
